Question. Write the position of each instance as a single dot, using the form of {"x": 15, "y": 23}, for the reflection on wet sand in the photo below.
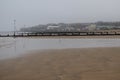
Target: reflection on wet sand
{"x": 13, "y": 47}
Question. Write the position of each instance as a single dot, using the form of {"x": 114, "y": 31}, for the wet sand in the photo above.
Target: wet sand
{"x": 65, "y": 64}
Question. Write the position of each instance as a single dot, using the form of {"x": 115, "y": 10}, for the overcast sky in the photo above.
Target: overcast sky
{"x": 34, "y": 12}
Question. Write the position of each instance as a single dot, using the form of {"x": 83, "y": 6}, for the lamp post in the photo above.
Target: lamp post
{"x": 14, "y": 27}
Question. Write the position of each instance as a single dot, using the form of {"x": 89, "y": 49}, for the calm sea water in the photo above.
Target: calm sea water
{"x": 13, "y": 47}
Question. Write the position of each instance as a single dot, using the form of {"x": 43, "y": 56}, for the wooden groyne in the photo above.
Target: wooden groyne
{"x": 28, "y": 34}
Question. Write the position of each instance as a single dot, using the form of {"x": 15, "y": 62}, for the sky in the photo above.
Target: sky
{"x": 29, "y": 13}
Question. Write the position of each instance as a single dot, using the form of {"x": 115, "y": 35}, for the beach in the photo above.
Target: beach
{"x": 60, "y": 40}
{"x": 64, "y": 64}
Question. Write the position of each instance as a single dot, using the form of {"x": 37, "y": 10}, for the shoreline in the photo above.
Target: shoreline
{"x": 64, "y": 64}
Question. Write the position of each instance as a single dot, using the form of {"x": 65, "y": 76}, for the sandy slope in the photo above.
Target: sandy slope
{"x": 67, "y": 64}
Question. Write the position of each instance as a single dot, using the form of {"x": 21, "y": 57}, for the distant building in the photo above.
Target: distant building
{"x": 92, "y": 27}
{"x": 52, "y": 27}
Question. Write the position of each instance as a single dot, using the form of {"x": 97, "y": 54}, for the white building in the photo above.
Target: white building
{"x": 92, "y": 27}
{"x": 52, "y": 27}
